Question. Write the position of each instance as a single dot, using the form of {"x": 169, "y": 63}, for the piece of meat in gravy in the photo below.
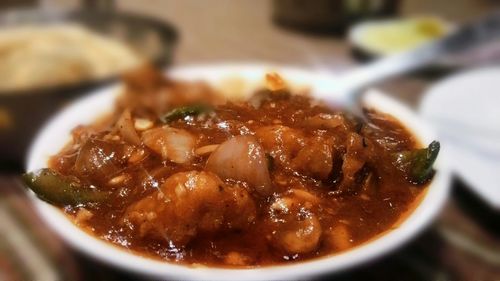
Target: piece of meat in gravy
{"x": 190, "y": 203}
{"x": 295, "y": 227}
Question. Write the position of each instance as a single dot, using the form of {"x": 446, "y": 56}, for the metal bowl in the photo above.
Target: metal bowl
{"x": 23, "y": 112}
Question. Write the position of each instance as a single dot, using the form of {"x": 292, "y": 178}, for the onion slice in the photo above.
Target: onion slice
{"x": 176, "y": 145}
{"x": 242, "y": 158}
{"x": 127, "y": 129}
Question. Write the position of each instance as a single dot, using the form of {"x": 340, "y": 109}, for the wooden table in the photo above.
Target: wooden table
{"x": 464, "y": 242}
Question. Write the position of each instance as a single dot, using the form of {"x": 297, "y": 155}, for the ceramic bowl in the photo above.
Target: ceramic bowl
{"x": 239, "y": 79}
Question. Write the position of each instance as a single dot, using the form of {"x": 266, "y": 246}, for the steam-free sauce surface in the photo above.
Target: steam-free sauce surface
{"x": 191, "y": 177}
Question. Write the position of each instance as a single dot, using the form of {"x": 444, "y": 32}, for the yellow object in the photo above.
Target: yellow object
{"x": 394, "y": 36}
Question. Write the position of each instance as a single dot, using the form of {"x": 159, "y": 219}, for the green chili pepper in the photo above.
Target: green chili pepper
{"x": 417, "y": 164}
{"x": 183, "y": 111}
{"x": 55, "y": 188}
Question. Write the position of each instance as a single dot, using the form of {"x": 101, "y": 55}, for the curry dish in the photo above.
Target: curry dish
{"x": 180, "y": 173}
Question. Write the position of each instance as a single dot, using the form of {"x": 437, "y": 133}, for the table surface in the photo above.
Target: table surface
{"x": 462, "y": 244}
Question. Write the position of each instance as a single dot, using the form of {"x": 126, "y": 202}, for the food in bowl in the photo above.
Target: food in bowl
{"x": 180, "y": 173}
{"x": 386, "y": 37}
{"x": 59, "y": 54}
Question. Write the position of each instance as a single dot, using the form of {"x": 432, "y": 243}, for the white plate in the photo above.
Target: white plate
{"x": 57, "y": 132}
{"x": 465, "y": 110}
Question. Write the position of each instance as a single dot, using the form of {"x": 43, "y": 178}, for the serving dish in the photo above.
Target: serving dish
{"x": 384, "y": 37}
{"x": 24, "y": 111}
{"x": 237, "y": 79}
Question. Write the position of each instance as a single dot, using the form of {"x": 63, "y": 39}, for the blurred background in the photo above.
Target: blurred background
{"x": 458, "y": 95}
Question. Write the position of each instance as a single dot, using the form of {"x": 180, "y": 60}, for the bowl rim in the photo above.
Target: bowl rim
{"x": 98, "y": 102}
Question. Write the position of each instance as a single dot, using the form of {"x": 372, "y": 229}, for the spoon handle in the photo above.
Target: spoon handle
{"x": 464, "y": 38}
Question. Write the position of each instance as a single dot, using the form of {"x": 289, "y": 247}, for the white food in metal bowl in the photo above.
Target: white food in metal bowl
{"x": 57, "y": 54}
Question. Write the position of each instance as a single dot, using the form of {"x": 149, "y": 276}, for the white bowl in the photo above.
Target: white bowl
{"x": 56, "y": 134}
